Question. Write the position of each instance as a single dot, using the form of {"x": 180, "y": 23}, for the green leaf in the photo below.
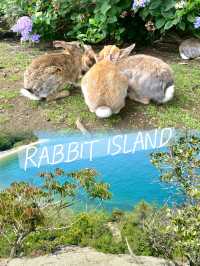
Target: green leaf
{"x": 169, "y": 25}
{"x": 155, "y": 4}
{"x": 182, "y": 25}
{"x": 169, "y": 4}
{"x": 105, "y": 7}
{"x": 160, "y": 23}
{"x": 191, "y": 18}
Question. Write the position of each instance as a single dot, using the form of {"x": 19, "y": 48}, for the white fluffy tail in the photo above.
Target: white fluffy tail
{"x": 29, "y": 95}
{"x": 183, "y": 56}
{"x": 103, "y": 112}
{"x": 169, "y": 94}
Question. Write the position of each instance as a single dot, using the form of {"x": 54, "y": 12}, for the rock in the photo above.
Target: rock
{"x": 76, "y": 256}
{"x": 114, "y": 228}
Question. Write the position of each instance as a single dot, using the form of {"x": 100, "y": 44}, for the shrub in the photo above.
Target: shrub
{"x": 110, "y": 20}
{"x": 86, "y": 229}
{"x": 132, "y": 227}
{"x": 9, "y": 141}
{"x": 24, "y": 207}
{"x": 90, "y": 229}
{"x": 172, "y": 14}
{"x": 177, "y": 230}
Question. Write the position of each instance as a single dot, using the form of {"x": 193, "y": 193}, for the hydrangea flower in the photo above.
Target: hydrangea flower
{"x": 181, "y": 4}
{"x": 197, "y": 23}
{"x": 35, "y": 38}
{"x": 140, "y": 3}
{"x": 24, "y": 26}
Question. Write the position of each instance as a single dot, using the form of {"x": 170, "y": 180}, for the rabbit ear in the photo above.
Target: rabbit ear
{"x": 89, "y": 58}
{"x": 75, "y": 43}
{"x": 60, "y": 44}
{"x": 126, "y": 52}
{"x": 87, "y": 47}
{"x": 115, "y": 54}
{"x": 65, "y": 45}
{"x": 89, "y": 52}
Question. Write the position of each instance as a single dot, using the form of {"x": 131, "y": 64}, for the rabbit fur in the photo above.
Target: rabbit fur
{"x": 105, "y": 88}
{"x": 190, "y": 49}
{"x": 49, "y": 73}
{"x": 150, "y": 78}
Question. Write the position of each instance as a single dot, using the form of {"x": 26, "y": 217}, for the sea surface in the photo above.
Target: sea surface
{"x": 132, "y": 178}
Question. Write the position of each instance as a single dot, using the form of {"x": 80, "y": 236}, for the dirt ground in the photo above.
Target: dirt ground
{"x": 20, "y": 114}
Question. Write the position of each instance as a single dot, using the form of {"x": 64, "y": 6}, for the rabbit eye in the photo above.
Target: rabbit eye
{"x": 91, "y": 62}
{"x": 83, "y": 72}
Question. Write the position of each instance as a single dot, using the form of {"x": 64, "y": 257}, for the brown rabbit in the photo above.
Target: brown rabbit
{"x": 105, "y": 87}
{"x": 114, "y": 52}
{"x": 190, "y": 49}
{"x": 49, "y": 73}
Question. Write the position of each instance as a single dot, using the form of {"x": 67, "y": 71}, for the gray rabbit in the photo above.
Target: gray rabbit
{"x": 190, "y": 49}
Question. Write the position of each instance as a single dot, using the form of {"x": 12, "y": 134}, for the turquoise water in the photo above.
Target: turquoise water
{"x": 131, "y": 176}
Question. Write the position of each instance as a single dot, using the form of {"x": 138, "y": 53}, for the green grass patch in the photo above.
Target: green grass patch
{"x": 3, "y": 119}
{"x": 8, "y": 94}
{"x": 183, "y": 111}
{"x": 68, "y": 110}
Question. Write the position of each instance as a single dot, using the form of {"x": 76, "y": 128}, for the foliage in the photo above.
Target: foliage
{"x": 172, "y": 14}
{"x": 90, "y": 229}
{"x": 175, "y": 233}
{"x": 176, "y": 230}
{"x": 24, "y": 207}
{"x": 181, "y": 165}
{"x": 96, "y": 21}
{"x": 9, "y": 141}
{"x": 86, "y": 229}
{"x": 132, "y": 227}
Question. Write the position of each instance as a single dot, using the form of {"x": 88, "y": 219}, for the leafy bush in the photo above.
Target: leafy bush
{"x": 172, "y": 14}
{"x": 8, "y": 141}
{"x": 110, "y": 20}
{"x": 176, "y": 230}
{"x": 86, "y": 229}
{"x": 24, "y": 207}
{"x": 132, "y": 227}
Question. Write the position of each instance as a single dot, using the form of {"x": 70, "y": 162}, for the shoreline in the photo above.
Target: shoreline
{"x": 5, "y": 154}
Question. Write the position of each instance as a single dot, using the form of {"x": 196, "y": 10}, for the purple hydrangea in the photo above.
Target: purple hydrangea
{"x": 140, "y": 3}
{"x": 197, "y": 23}
{"x": 35, "y": 38}
{"x": 24, "y": 26}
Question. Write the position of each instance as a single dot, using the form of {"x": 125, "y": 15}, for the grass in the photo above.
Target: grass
{"x": 75, "y": 107}
{"x": 182, "y": 112}
{"x": 8, "y": 95}
{"x": 3, "y": 119}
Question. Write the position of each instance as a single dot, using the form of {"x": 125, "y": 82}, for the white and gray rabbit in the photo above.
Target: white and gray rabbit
{"x": 190, "y": 49}
{"x": 150, "y": 79}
